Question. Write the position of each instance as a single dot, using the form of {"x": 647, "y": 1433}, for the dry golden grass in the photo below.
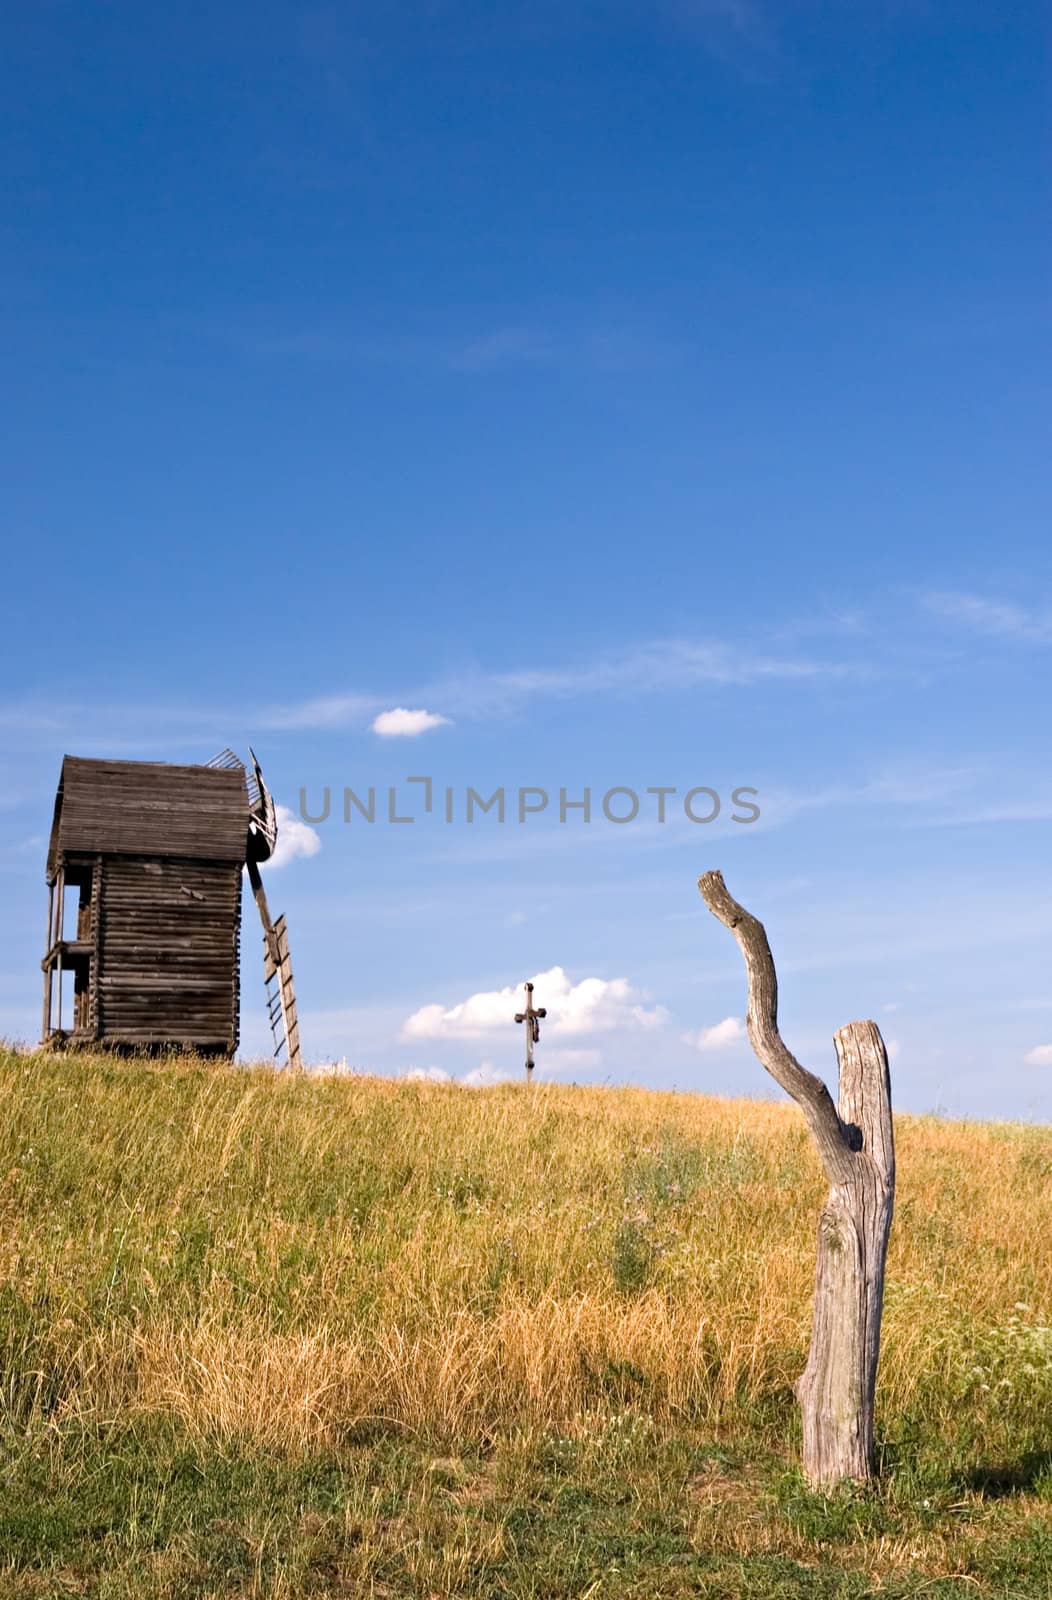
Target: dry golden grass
{"x": 281, "y": 1260}
{"x": 516, "y": 1323}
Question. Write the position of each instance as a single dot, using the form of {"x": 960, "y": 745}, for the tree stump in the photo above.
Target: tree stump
{"x": 855, "y": 1142}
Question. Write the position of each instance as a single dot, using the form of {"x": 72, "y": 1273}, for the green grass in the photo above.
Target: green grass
{"x": 273, "y": 1336}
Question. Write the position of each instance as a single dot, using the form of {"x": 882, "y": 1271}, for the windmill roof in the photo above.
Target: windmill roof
{"x": 149, "y": 808}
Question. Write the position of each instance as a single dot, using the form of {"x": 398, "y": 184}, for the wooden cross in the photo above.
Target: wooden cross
{"x": 531, "y": 1016}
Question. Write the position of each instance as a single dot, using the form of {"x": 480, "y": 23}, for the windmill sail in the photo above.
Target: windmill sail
{"x": 263, "y": 826}
{"x": 277, "y": 962}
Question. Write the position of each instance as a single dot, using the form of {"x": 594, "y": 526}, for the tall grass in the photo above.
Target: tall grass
{"x": 285, "y": 1263}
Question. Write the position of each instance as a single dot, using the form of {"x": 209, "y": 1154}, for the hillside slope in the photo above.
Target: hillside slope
{"x": 272, "y": 1335}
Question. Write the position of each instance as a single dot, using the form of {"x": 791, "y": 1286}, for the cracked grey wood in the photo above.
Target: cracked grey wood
{"x": 855, "y": 1141}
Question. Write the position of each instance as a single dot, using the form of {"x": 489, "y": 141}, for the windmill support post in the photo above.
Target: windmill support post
{"x": 855, "y": 1142}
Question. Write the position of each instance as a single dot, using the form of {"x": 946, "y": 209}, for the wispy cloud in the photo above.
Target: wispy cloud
{"x": 654, "y": 667}
{"x": 997, "y": 618}
{"x": 22, "y": 849}
{"x": 737, "y": 32}
{"x": 321, "y": 711}
{"x": 599, "y": 349}
{"x": 923, "y": 790}
{"x": 1034, "y": 808}
{"x": 741, "y": 15}
{"x": 129, "y": 726}
{"x": 661, "y": 664}
{"x": 35, "y": 716}
{"x": 1039, "y": 1056}
{"x": 505, "y": 347}
{"x": 658, "y": 666}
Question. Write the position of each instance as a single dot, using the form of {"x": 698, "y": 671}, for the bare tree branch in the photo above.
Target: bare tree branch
{"x": 857, "y": 1146}
{"x": 836, "y": 1142}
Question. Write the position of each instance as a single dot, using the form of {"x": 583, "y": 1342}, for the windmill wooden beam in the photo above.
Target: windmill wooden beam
{"x": 277, "y": 962}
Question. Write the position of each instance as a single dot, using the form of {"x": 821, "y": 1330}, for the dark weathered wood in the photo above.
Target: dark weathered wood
{"x": 532, "y": 1018}
{"x": 287, "y": 996}
{"x": 168, "y": 951}
{"x": 836, "y": 1390}
{"x": 277, "y": 972}
{"x": 855, "y": 1141}
{"x": 270, "y": 942}
{"x": 156, "y": 852}
{"x": 151, "y": 809}
{"x": 59, "y": 916}
{"x": 46, "y": 1032}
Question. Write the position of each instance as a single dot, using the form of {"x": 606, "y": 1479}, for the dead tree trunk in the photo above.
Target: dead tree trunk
{"x": 856, "y": 1145}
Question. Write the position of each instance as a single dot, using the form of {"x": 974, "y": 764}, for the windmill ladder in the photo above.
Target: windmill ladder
{"x": 277, "y": 974}
{"x": 281, "y": 994}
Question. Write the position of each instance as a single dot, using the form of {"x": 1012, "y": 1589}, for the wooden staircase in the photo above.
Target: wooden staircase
{"x": 277, "y": 963}
{"x": 281, "y": 994}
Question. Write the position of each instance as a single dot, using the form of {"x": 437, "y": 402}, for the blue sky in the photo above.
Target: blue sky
{"x": 658, "y": 394}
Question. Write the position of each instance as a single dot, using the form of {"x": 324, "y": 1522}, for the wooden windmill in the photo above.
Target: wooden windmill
{"x": 155, "y": 853}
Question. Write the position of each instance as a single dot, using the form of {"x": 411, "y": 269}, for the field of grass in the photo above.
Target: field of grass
{"x": 282, "y": 1336}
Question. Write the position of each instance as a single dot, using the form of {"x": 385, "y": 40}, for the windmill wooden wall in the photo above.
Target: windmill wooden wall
{"x": 152, "y": 854}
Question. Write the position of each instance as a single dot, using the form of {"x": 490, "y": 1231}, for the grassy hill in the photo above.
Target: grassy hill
{"x": 266, "y": 1335}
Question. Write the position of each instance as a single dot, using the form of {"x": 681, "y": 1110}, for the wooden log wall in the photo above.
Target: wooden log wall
{"x": 168, "y": 953}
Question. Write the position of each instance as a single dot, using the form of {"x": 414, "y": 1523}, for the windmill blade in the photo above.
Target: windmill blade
{"x": 277, "y": 962}
{"x": 263, "y": 820}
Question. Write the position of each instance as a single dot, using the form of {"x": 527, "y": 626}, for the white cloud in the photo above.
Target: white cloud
{"x": 570, "y": 1058}
{"x": 996, "y": 617}
{"x": 595, "y": 1005}
{"x": 336, "y": 1069}
{"x": 403, "y": 724}
{"x": 486, "y": 1076}
{"x": 718, "y": 1037}
{"x": 295, "y": 839}
{"x": 1040, "y": 1056}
